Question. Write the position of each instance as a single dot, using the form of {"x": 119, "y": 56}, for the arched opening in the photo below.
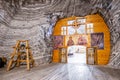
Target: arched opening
{"x": 77, "y": 54}
{"x": 76, "y": 48}
{"x": 91, "y": 29}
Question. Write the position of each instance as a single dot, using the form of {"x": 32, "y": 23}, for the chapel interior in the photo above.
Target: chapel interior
{"x": 59, "y": 39}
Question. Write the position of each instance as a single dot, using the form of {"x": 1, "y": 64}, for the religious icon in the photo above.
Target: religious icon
{"x": 70, "y": 42}
{"x": 58, "y": 41}
{"x": 82, "y": 40}
{"x": 97, "y": 40}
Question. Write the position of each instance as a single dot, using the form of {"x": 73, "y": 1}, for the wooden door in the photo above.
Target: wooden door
{"x": 63, "y": 55}
{"x": 91, "y": 55}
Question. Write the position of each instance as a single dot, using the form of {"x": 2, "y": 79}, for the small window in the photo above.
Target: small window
{"x": 71, "y": 22}
{"x": 63, "y": 30}
{"x": 81, "y": 29}
{"x": 71, "y": 30}
{"x": 81, "y": 20}
{"x": 90, "y": 28}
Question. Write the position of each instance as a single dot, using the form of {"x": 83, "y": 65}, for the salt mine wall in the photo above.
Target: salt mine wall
{"x": 34, "y": 20}
{"x": 112, "y": 18}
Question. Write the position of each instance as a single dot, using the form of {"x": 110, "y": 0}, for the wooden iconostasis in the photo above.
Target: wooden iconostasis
{"x": 89, "y": 31}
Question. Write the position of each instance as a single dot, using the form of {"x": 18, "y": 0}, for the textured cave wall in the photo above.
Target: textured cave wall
{"x": 32, "y": 31}
{"x": 112, "y": 17}
{"x": 35, "y": 19}
{"x": 40, "y": 45}
{"x": 36, "y": 37}
{"x": 5, "y": 17}
{"x": 3, "y": 32}
{"x": 8, "y": 8}
{"x": 110, "y": 11}
{"x": 27, "y": 24}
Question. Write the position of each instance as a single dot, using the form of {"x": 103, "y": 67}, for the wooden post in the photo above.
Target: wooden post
{"x": 27, "y": 52}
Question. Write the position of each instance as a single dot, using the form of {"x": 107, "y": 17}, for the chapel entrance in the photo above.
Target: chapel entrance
{"x": 76, "y": 50}
{"x": 77, "y": 54}
{"x": 88, "y": 32}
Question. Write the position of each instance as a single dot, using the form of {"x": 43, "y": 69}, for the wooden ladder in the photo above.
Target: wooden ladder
{"x": 16, "y": 60}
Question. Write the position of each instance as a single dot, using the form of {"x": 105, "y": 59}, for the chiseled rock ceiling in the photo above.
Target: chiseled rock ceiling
{"x": 27, "y": 14}
{"x": 67, "y": 8}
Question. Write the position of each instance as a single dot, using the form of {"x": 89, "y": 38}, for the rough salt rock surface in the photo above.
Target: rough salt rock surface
{"x": 34, "y": 20}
